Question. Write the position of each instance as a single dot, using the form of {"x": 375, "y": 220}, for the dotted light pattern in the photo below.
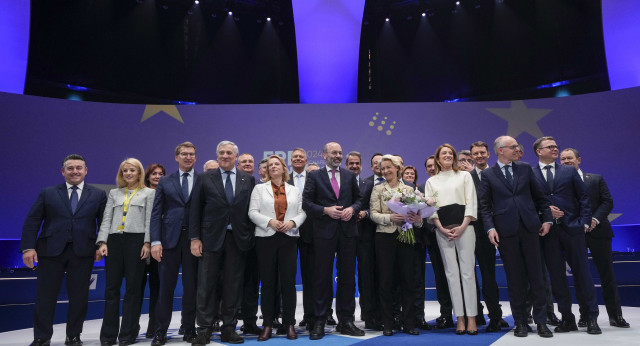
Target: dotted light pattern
{"x": 382, "y": 122}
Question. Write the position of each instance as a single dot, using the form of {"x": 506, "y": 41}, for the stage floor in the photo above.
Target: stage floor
{"x": 610, "y": 335}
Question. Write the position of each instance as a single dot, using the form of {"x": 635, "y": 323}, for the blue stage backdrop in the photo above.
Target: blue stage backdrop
{"x": 38, "y": 132}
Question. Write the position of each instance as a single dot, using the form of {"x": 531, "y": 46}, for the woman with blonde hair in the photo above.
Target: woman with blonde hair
{"x": 124, "y": 241}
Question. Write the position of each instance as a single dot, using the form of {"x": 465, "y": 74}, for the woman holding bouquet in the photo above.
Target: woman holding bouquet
{"x": 392, "y": 255}
{"x": 456, "y": 198}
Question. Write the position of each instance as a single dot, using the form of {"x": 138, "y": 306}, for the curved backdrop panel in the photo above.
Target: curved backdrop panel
{"x": 38, "y": 132}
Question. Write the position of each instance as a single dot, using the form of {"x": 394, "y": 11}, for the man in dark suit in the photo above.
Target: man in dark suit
{"x": 365, "y": 249}
{"x": 571, "y": 211}
{"x": 332, "y": 200}
{"x": 598, "y": 238}
{"x": 377, "y": 177}
{"x": 510, "y": 203}
{"x": 170, "y": 244}
{"x": 221, "y": 232}
{"x": 59, "y": 234}
{"x": 485, "y": 251}
{"x": 445, "y": 319}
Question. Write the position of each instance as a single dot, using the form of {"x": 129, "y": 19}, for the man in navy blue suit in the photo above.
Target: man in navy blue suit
{"x": 60, "y": 234}
{"x": 511, "y": 205}
{"x": 332, "y": 200}
{"x": 170, "y": 244}
{"x": 221, "y": 234}
{"x": 571, "y": 211}
{"x": 598, "y": 238}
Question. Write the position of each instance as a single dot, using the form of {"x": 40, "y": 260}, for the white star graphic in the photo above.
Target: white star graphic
{"x": 521, "y": 119}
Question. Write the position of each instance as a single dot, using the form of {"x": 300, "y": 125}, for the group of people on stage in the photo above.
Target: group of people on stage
{"x": 229, "y": 235}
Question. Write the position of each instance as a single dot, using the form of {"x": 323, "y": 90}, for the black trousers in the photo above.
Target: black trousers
{"x": 367, "y": 283}
{"x": 603, "y": 260}
{"x": 442, "y": 287}
{"x": 560, "y": 247}
{"x": 420, "y": 265}
{"x": 51, "y": 270}
{"x": 521, "y": 258}
{"x": 250, "y": 289}
{"x": 122, "y": 262}
{"x": 169, "y": 268}
{"x": 394, "y": 257}
{"x": 306, "y": 273}
{"x": 278, "y": 260}
{"x": 486, "y": 257}
{"x": 232, "y": 278}
{"x": 342, "y": 249}
{"x": 151, "y": 270}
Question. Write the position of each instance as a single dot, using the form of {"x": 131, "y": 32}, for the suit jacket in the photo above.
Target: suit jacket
{"x": 478, "y": 224}
{"x": 503, "y": 206}
{"x": 570, "y": 195}
{"x": 306, "y": 229}
{"x": 51, "y": 216}
{"x": 262, "y": 210}
{"x": 318, "y": 194}
{"x": 380, "y": 212}
{"x": 138, "y": 213}
{"x": 366, "y": 227}
{"x": 170, "y": 211}
{"x": 210, "y": 212}
{"x": 601, "y": 204}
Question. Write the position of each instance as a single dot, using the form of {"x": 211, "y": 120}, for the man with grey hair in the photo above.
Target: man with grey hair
{"x": 465, "y": 161}
{"x": 246, "y": 163}
{"x": 312, "y": 167}
{"x": 262, "y": 169}
{"x": 209, "y": 165}
{"x": 221, "y": 232}
{"x": 332, "y": 200}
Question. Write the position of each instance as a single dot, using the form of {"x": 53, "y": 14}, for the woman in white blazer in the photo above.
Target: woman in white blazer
{"x": 276, "y": 210}
{"x": 124, "y": 240}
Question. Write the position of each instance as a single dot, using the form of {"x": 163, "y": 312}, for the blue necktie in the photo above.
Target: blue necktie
{"x": 508, "y": 175}
{"x": 379, "y": 181}
{"x": 549, "y": 177}
{"x": 228, "y": 188}
{"x": 299, "y": 182}
{"x": 74, "y": 199}
{"x": 185, "y": 186}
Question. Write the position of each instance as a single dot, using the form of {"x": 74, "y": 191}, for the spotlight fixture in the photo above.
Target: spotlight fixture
{"x": 197, "y": 2}
{"x": 268, "y": 19}
{"x": 424, "y": 14}
{"x": 386, "y": 19}
{"x": 230, "y": 13}
{"x": 457, "y": 3}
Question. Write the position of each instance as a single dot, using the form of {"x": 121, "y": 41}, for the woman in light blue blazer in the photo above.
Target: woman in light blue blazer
{"x": 124, "y": 240}
{"x": 276, "y": 210}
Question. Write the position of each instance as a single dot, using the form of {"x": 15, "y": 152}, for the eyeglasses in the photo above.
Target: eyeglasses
{"x": 512, "y": 147}
{"x": 550, "y": 147}
{"x": 187, "y": 154}
{"x": 466, "y": 160}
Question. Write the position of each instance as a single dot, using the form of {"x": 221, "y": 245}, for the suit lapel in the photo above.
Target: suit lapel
{"x": 498, "y": 172}
{"x": 324, "y": 175}
{"x": 86, "y": 193}
{"x": 216, "y": 178}
{"x": 175, "y": 180}
{"x": 516, "y": 170}
{"x": 62, "y": 190}
{"x": 543, "y": 182}
{"x": 241, "y": 181}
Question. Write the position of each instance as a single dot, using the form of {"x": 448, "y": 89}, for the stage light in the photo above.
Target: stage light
{"x": 386, "y": 19}
{"x": 197, "y": 2}
{"x": 424, "y": 14}
{"x": 268, "y": 19}
{"x": 230, "y": 13}
{"x": 457, "y": 3}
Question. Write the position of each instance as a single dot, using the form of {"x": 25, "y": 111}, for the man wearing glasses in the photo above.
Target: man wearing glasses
{"x": 571, "y": 212}
{"x": 511, "y": 203}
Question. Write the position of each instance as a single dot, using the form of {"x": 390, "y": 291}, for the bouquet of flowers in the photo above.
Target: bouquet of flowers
{"x": 402, "y": 201}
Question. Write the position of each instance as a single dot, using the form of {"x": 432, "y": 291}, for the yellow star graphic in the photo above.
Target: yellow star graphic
{"x": 521, "y": 119}
{"x": 151, "y": 110}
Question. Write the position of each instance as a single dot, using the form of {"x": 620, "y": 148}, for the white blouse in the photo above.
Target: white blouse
{"x": 453, "y": 188}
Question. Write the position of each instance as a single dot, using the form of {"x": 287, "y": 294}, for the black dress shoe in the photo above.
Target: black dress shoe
{"x": 189, "y": 335}
{"x": 444, "y": 322}
{"x": 494, "y": 326}
{"x": 460, "y": 332}
{"x": 544, "y": 331}
{"x": 229, "y": 335}
{"x": 331, "y": 321}
{"x": 302, "y": 323}
{"x": 317, "y": 332}
{"x": 372, "y": 324}
{"x": 41, "y": 342}
{"x": 251, "y": 328}
{"x": 472, "y": 332}
{"x": 181, "y": 330}
{"x": 410, "y": 331}
{"x": 216, "y": 326}
{"x": 73, "y": 340}
{"x": 503, "y": 323}
{"x": 387, "y": 332}
{"x": 276, "y": 323}
{"x": 422, "y": 324}
{"x": 593, "y": 327}
{"x": 566, "y": 325}
{"x": 159, "y": 339}
{"x": 582, "y": 322}
{"x": 149, "y": 334}
{"x": 126, "y": 342}
{"x": 521, "y": 330}
{"x": 291, "y": 332}
{"x": 530, "y": 319}
{"x": 203, "y": 337}
{"x": 480, "y": 320}
{"x": 619, "y": 322}
{"x": 552, "y": 319}
{"x": 349, "y": 328}
{"x": 282, "y": 330}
